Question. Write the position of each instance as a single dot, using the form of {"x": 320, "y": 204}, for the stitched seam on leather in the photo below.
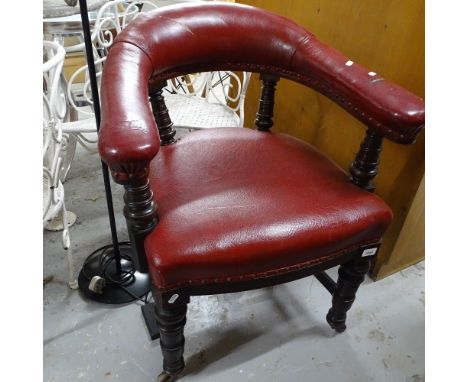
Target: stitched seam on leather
{"x": 303, "y": 41}
{"x": 269, "y": 273}
{"x": 140, "y": 48}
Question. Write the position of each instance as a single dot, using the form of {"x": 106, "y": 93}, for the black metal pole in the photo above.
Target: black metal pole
{"x": 108, "y": 276}
{"x": 97, "y": 115}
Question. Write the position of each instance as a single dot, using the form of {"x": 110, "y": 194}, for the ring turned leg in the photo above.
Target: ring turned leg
{"x": 350, "y": 276}
{"x": 171, "y": 321}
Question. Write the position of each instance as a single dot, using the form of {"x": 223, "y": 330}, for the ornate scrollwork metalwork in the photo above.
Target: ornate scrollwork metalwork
{"x": 53, "y": 114}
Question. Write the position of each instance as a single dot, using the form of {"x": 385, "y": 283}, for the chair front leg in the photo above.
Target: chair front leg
{"x": 350, "y": 277}
{"x": 171, "y": 318}
{"x": 351, "y": 274}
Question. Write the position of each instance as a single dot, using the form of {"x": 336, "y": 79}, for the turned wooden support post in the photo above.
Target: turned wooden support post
{"x": 350, "y": 277}
{"x": 171, "y": 311}
{"x": 351, "y": 274}
{"x": 264, "y": 119}
{"x": 161, "y": 114}
{"x": 364, "y": 167}
{"x": 140, "y": 212}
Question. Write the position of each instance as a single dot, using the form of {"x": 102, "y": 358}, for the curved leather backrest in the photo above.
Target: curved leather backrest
{"x": 187, "y": 38}
{"x": 212, "y": 34}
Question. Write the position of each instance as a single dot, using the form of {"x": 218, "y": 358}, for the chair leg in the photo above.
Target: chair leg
{"x": 72, "y": 281}
{"x": 350, "y": 276}
{"x": 171, "y": 321}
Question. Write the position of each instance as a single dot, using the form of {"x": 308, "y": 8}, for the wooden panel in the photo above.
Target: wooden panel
{"x": 385, "y": 36}
{"x": 72, "y": 63}
{"x": 407, "y": 250}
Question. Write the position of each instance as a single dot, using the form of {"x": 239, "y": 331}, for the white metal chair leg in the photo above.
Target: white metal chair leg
{"x": 54, "y": 211}
{"x": 72, "y": 281}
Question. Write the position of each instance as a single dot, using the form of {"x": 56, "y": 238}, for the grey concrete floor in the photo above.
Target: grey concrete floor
{"x": 273, "y": 334}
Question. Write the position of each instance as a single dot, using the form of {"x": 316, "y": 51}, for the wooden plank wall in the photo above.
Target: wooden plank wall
{"x": 387, "y": 36}
{"x": 407, "y": 250}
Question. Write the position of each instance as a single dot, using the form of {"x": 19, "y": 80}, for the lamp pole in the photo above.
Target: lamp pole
{"x": 108, "y": 275}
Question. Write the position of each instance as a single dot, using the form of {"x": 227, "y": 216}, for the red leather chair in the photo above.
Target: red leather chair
{"x": 228, "y": 210}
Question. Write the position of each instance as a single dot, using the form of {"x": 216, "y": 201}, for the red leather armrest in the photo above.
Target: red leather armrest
{"x": 128, "y": 136}
{"x": 391, "y": 110}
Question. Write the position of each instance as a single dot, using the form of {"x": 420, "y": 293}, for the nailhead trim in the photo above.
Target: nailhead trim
{"x": 271, "y": 273}
{"x": 407, "y": 137}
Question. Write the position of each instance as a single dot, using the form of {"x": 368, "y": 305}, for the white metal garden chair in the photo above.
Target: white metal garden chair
{"x": 111, "y": 18}
{"x": 201, "y": 100}
{"x": 53, "y": 113}
{"x": 207, "y": 100}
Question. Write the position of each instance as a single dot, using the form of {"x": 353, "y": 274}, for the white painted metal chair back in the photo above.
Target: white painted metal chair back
{"x": 54, "y": 111}
{"x": 206, "y": 100}
{"x": 200, "y": 100}
{"x": 111, "y": 18}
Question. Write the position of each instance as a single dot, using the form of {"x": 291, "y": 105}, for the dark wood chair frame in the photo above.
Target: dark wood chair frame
{"x": 170, "y": 307}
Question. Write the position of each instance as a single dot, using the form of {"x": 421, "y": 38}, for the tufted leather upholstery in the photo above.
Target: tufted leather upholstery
{"x": 232, "y": 36}
{"x": 237, "y": 204}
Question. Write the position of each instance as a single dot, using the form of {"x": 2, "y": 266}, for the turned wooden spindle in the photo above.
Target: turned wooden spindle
{"x": 264, "y": 118}
{"x": 351, "y": 274}
{"x": 171, "y": 321}
{"x": 161, "y": 115}
{"x": 350, "y": 277}
{"x": 140, "y": 212}
{"x": 365, "y": 166}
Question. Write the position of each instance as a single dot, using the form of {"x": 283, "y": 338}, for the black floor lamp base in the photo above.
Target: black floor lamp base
{"x": 108, "y": 274}
{"x": 137, "y": 286}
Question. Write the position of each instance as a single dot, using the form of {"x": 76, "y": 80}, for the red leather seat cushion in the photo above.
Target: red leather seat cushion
{"x": 238, "y": 204}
